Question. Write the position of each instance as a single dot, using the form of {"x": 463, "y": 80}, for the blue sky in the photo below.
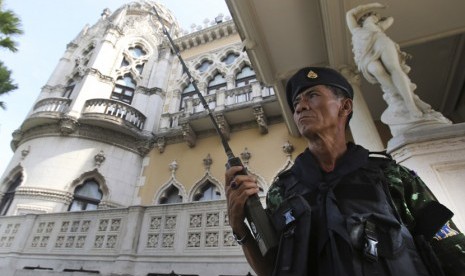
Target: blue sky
{"x": 48, "y": 26}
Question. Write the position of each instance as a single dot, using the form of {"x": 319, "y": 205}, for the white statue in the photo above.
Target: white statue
{"x": 381, "y": 61}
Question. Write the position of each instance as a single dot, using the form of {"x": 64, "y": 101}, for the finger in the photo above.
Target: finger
{"x": 229, "y": 175}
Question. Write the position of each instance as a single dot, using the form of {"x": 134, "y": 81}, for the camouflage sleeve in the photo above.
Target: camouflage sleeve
{"x": 410, "y": 194}
{"x": 274, "y": 197}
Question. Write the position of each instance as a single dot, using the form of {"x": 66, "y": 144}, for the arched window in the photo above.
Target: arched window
{"x": 137, "y": 52}
{"x": 86, "y": 196}
{"x": 204, "y": 66}
{"x": 245, "y": 76}
{"x": 188, "y": 91}
{"x": 206, "y": 192}
{"x": 230, "y": 58}
{"x": 124, "y": 89}
{"x": 9, "y": 195}
{"x": 170, "y": 195}
{"x": 216, "y": 83}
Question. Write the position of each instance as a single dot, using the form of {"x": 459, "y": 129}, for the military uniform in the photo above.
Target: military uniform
{"x": 370, "y": 216}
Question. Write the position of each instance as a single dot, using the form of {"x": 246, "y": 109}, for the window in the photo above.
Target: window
{"x": 216, "y": 83}
{"x": 69, "y": 89}
{"x": 140, "y": 68}
{"x": 230, "y": 58}
{"x": 124, "y": 62}
{"x": 137, "y": 52}
{"x": 86, "y": 197}
{"x": 207, "y": 192}
{"x": 245, "y": 76}
{"x": 9, "y": 195}
{"x": 188, "y": 91}
{"x": 124, "y": 89}
{"x": 204, "y": 66}
{"x": 170, "y": 195}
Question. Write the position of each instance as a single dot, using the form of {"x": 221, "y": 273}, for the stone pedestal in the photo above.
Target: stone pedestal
{"x": 437, "y": 155}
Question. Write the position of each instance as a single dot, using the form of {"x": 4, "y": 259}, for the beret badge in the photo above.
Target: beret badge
{"x": 312, "y": 75}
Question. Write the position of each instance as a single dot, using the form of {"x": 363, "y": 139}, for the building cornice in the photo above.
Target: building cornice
{"x": 206, "y": 35}
{"x": 140, "y": 143}
{"x": 44, "y": 194}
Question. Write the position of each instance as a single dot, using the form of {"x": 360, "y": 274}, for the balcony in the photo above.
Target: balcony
{"x": 47, "y": 111}
{"x": 112, "y": 114}
{"x": 189, "y": 238}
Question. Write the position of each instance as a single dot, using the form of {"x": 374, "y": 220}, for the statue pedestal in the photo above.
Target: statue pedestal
{"x": 437, "y": 155}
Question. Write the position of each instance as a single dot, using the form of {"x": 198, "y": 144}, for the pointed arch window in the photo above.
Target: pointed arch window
{"x": 188, "y": 91}
{"x": 216, "y": 83}
{"x": 170, "y": 195}
{"x": 230, "y": 58}
{"x": 9, "y": 195}
{"x": 124, "y": 89}
{"x": 208, "y": 191}
{"x": 137, "y": 52}
{"x": 86, "y": 196}
{"x": 204, "y": 66}
{"x": 245, "y": 76}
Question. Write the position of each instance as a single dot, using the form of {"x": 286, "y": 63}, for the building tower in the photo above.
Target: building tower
{"x": 82, "y": 143}
{"x": 118, "y": 168}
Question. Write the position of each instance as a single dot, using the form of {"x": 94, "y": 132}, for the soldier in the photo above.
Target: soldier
{"x": 340, "y": 210}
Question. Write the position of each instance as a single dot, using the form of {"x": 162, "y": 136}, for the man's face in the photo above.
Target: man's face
{"x": 316, "y": 109}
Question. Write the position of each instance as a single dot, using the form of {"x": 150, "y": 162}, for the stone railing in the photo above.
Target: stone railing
{"x": 59, "y": 105}
{"x": 177, "y": 237}
{"x": 171, "y": 120}
{"x": 197, "y": 104}
{"x": 267, "y": 92}
{"x": 238, "y": 95}
{"x": 115, "y": 109}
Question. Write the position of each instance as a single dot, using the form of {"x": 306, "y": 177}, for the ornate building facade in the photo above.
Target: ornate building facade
{"x": 117, "y": 168}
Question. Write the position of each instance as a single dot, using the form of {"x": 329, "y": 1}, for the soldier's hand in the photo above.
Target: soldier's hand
{"x": 238, "y": 189}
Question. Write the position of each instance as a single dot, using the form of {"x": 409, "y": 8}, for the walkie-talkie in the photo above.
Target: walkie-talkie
{"x": 256, "y": 216}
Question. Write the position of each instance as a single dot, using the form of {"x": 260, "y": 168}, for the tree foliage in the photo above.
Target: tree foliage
{"x": 10, "y": 25}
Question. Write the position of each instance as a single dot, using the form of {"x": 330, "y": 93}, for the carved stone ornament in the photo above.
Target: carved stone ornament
{"x": 223, "y": 125}
{"x": 144, "y": 146}
{"x": 288, "y": 149}
{"x": 207, "y": 162}
{"x": 245, "y": 156}
{"x": 261, "y": 119}
{"x": 25, "y": 152}
{"x": 173, "y": 167}
{"x": 161, "y": 144}
{"x": 99, "y": 158}
{"x": 17, "y": 136}
{"x": 189, "y": 135}
{"x": 68, "y": 125}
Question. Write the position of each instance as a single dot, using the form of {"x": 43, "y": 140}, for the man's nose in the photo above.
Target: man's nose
{"x": 302, "y": 104}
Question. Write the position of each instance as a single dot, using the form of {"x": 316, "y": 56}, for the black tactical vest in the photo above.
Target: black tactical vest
{"x": 368, "y": 236}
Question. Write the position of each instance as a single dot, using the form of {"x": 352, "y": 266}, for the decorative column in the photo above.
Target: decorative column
{"x": 220, "y": 100}
{"x": 256, "y": 92}
{"x": 361, "y": 125}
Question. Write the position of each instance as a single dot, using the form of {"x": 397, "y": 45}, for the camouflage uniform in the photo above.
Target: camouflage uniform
{"x": 408, "y": 193}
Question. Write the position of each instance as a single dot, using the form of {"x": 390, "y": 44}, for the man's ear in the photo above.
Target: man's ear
{"x": 346, "y": 107}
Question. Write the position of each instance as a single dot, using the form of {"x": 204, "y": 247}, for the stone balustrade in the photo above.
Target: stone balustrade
{"x": 59, "y": 105}
{"x": 161, "y": 235}
{"x": 115, "y": 109}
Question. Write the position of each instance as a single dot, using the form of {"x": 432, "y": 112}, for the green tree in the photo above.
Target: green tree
{"x": 10, "y": 25}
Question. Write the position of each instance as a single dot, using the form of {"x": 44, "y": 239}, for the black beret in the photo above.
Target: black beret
{"x": 311, "y": 76}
